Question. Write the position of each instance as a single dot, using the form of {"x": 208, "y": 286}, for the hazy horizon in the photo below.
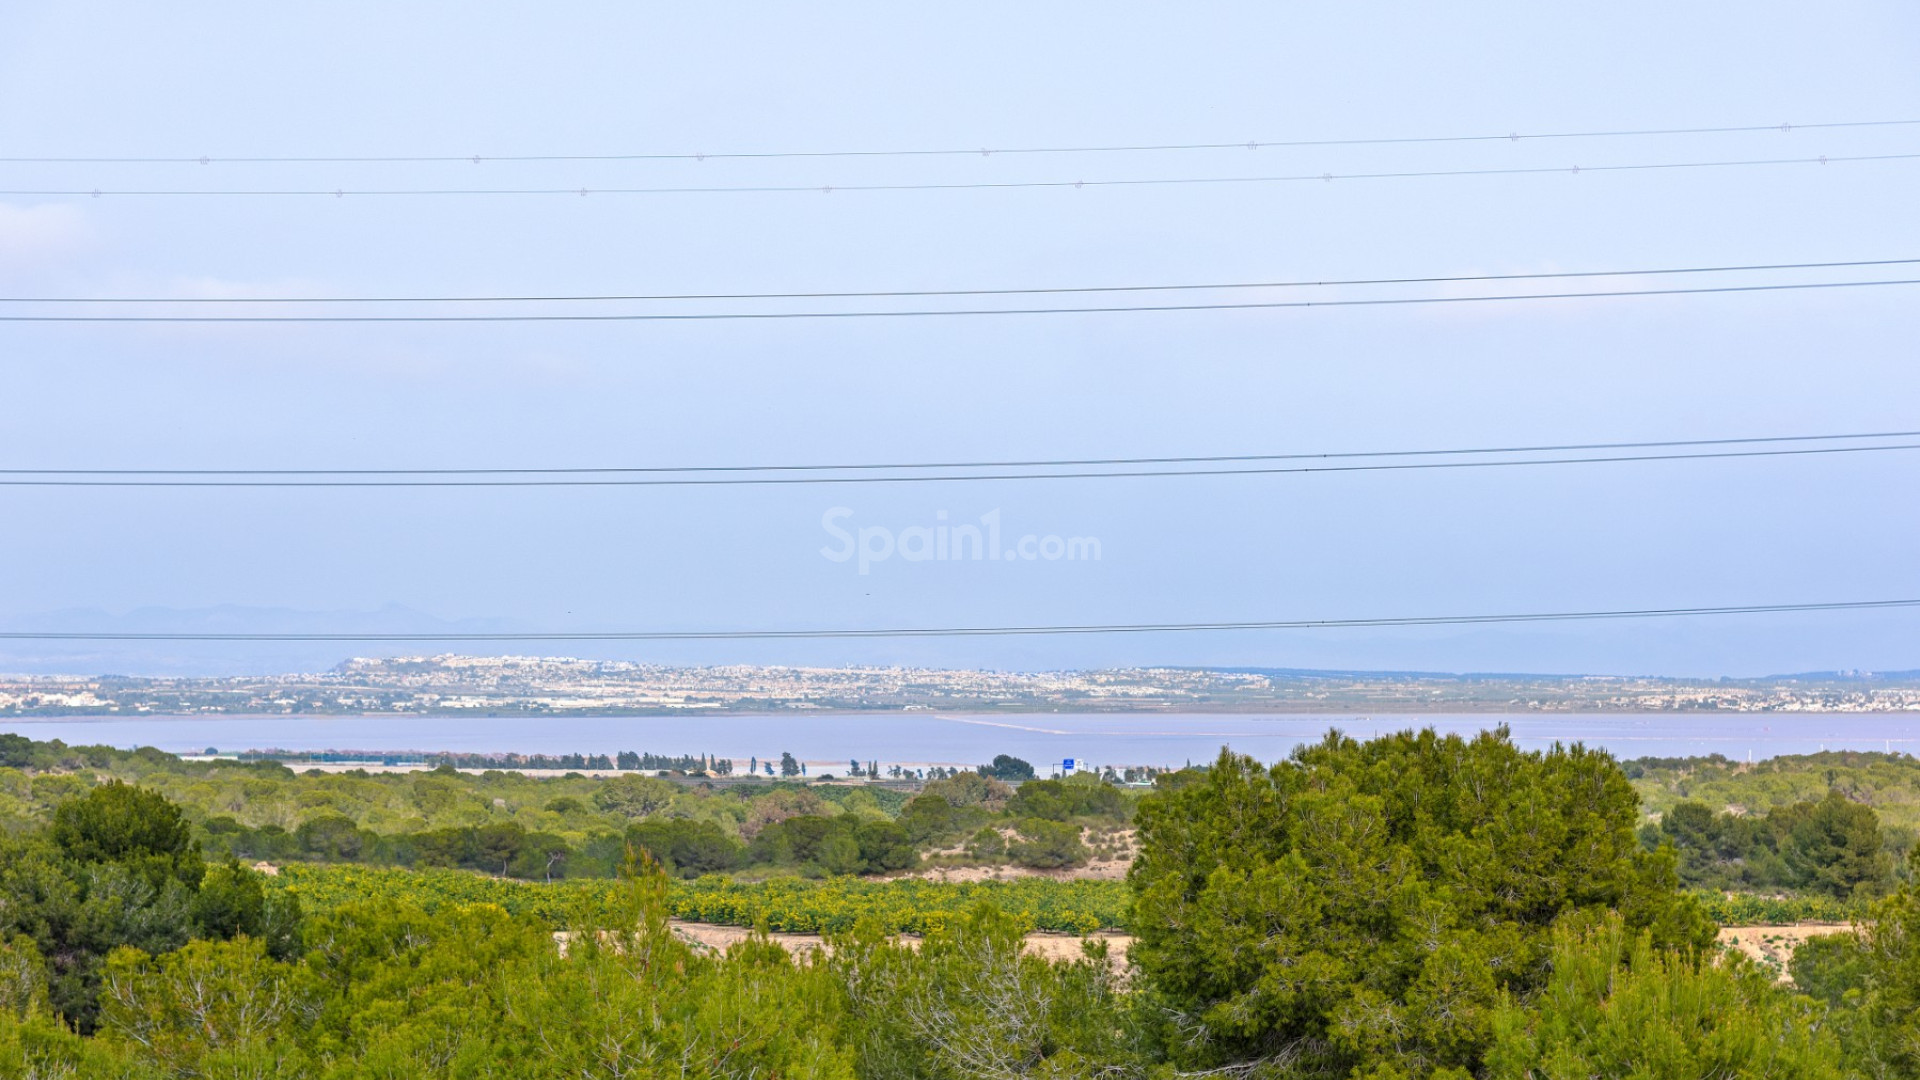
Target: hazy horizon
{"x": 84, "y": 80}
{"x": 225, "y": 659}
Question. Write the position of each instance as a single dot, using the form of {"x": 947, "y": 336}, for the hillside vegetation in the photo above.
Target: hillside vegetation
{"x": 553, "y": 828}
{"x": 1813, "y": 833}
{"x": 1890, "y": 783}
{"x": 1414, "y": 906}
{"x": 1832, "y": 827}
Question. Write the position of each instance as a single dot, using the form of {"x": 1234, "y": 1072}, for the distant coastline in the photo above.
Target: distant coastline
{"x": 563, "y": 687}
{"x": 830, "y": 741}
{"x": 536, "y": 687}
{"x": 1242, "y": 711}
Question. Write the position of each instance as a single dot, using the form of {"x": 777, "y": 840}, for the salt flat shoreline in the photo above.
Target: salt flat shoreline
{"x": 1289, "y": 710}
{"x": 829, "y": 742}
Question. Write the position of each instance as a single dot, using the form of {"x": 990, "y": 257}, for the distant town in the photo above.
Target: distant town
{"x": 536, "y": 686}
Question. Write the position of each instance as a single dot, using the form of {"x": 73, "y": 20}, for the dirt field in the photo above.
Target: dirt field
{"x": 1113, "y": 855}
{"x": 1047, "y": 946}
{"x": 1110, "y": 870}
{"x": 1774, "y": 945}
{"x": 1771, "y": 945}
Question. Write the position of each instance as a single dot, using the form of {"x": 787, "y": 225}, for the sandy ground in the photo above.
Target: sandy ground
{"x": 1047, "y": 946}
{"x": 1774, "y": 945}
{"x": 1771, "y": 945}
{"x": 1118, "y": 847}
{"x": 1112, "y": 870}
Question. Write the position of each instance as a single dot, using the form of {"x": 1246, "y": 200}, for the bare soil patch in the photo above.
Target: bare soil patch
{"x": 1098, "y": 870}
{"x": 1052, "y": 947}
{"x": 1773, "y": 945}
{"x": 1114, "y": 850}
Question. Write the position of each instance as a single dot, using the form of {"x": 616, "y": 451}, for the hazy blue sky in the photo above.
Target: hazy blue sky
{"x": 88, "y": 79}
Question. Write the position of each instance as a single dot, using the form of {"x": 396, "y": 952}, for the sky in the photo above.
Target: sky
{"x": 81, "y": 79}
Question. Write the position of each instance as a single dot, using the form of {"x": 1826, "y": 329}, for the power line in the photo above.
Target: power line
{"x": 1036, "y": 462}
{"x": 979, "y": 631}
{"x": 1256, "y": 144}
{"x": 914, "y": 293}
{"x": 726, "y": 316}
{"x": 465, "y": 477}
{"x": 985, "y": 185}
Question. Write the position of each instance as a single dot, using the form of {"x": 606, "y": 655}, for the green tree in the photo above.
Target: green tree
{"x": 986, "y": 844}
{"x": 969, "y": 790}
{"x": 1830, "y": 968}
{"x": 1873, "y": 977}
{"x": 688, "y": 848}
{"x": 211, "y": 1008}
{"x": 972, "y": 1004}
{"x": 1367, "y": 906}
{"x": 777, "y": 806}
{"x": 837, "y": 853}
{"x": 16, "y": 751}
{"x": 1834, "y": 846}
{"x": 884, "y": 846}
{"x": 42, "y": 1047}
{"x": 232, "y": 901}
{"x": 634, "y": 796}
{"x": 496, "y": 846}
{"x": 1007, "y": 767}
{"x": 1048, "y": 845}
{"x": 543, "y": 856}
{"x": 133, "y": 827}
{"x": 1064, "y": 800}
{"x": 927, "y": 818}
{"x": 75, "y": 913}
{"x": 1725, "y": 850}
{"x": 1614, "y": 1006}
{"x": 446, "y": 847}
{"x": 331, "y": 838}
{"x": 23, "y": 978}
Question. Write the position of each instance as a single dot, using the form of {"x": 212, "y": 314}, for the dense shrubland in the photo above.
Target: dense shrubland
{"x": 1820, "y": 834}
{"x": 781, "y": 904}
{"x": 118, "y": 867}
{"x": 1414, "y": 906}
{"x": 1815, "y": 830}
{"x": 553, "y": 828}
{"x": 1831, "y": 847}
{"x": 1889, "y": 783}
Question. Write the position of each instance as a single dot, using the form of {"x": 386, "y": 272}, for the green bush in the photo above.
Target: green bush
{"x": 1048, "y": 845}
{"x": 1374, "y": 903}
{"x": 1613, "y": 1005}
{"x": 788, "y": 905}
{"x": 688, "y": 848}
{"x": 987, "y": 844}
{"x": 1064, "y": 800}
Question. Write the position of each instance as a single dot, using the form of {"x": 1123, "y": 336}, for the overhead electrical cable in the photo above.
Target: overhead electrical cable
{"x": 980, "y": 185}
{"x": 918, "y": 293}
{"x": 975, "y": 631}
{"x": 1110, "y": 468}
{"x": 728, "y": 316}
{"x": 1035, "y": 462}
{"x": 972, "y": 151}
